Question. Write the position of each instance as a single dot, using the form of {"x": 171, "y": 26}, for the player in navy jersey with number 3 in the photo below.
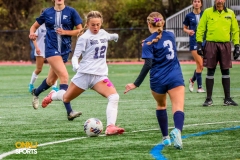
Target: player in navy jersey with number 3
{"x": 59, "y": 21}
{"x": 92, "y": 70}
{"x": 159, "y": 52}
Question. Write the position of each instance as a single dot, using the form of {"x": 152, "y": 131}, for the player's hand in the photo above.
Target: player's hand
{"x": 38, "y": 51}
{"x": 75, "y": 68}
{"x": 236, "y": 51}
{"x": 199, "y": 49}
{"x": 191, "y": 32}
{"x": 33, "y": 36}
{"x": 60, "y": 31}
{"x": 129, "y": 87}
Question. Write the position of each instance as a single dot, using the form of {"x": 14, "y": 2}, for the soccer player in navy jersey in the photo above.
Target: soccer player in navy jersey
{"x": 92, "y": 70}
{"x": 59, "y": 21}
{"x": 159, "y": 52}
{"x": 39, "y": 53}
{"x": 190, "y": 24}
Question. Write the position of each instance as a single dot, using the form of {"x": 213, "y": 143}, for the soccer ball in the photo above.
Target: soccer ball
{"x": 93, "y": 127}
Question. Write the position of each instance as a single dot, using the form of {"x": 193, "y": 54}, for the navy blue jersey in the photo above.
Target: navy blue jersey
{"x": 165, "y": 67}
{"x": 65, "y": 19}
{"x": 192, "y": 22}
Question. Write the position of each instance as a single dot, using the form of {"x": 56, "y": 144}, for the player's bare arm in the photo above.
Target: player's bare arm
{"x": 33, "y": 29}
{"x": 74, "y": 32}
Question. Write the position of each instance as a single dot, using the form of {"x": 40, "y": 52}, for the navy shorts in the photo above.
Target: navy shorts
{"x": 164, "y": 88}
{"x": 193, "y": 46}
{"x": 56, "y": 53}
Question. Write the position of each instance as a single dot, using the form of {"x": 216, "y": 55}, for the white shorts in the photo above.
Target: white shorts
{"x": 86, "y": 81}
{"x": 42, "y": 54}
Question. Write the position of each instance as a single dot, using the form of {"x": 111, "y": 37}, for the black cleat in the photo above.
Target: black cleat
{"x": 229, "y": 102}
{"x": 208, "y": 102}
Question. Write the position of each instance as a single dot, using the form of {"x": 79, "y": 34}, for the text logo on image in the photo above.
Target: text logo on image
{"x": 26, "y": 147}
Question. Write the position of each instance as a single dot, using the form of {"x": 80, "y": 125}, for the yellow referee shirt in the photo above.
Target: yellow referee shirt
{"x": 219, "y": 26}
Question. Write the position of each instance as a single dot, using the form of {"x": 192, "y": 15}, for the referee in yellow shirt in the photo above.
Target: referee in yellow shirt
{"x": 219, "y": 26}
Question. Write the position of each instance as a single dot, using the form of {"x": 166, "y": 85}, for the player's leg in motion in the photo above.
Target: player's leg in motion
{"x": 36, "y": 72}
{"x": 177, "y": 98}
{"x": 161, "y": 113}
{"x": 65, "y": 96}
{"x": 191, "y": 82}
{"x": 107, "y": 89}
{"x": 54, "y": 87}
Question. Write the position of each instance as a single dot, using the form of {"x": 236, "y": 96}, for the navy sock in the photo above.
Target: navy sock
{"x": 199, "y": 80}
{"x": 178, "y": 118}
{"x": 162, "y": 121}
{"x": 66, "y": 104}
{"x": 44, "y": 86}
{"x": 194, "y": 76}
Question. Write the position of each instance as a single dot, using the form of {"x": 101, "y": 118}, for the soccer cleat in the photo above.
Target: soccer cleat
{"x": 35, "y": 101}
{"x": 229, "y": 102}
{"x": 113, "y": 130}
{"x": 55, "y": 89}
{"x": 72, "y": 115}
{"x": 190, "y": 85}
{"x": 30, "y": 88}
{"x": 200, "y": 90}
{"x": 208, "y": 102}
{"x": 48, "y": 99}
{"x": 166, "y": 141}
{"x": 175, "y": 135}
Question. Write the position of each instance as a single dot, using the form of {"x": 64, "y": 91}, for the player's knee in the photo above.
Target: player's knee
{"x": 211, "y": 71}
{"x": 114, "y": 98}
{"x": 225, "y": 71}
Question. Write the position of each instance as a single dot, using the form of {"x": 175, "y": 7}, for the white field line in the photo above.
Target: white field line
{"x": 3, "y": 155}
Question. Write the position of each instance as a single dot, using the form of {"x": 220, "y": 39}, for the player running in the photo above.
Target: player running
{"x": 92, "y": 70}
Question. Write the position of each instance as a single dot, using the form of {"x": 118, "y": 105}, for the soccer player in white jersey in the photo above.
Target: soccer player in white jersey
{"x": 39, "y": 53}
{"x": 92, "y": 70}
{"x": 159, "y": 53}
{"x": 60, "y": 21}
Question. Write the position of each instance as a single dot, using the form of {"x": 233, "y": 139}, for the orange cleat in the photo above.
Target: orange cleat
{"x": 114, "y": 130}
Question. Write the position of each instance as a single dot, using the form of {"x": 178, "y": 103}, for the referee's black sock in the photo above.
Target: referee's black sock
{"x": 209, "y": 87}
{"x": 226, "y": 86}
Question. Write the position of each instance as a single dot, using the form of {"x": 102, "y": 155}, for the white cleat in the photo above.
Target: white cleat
{"x": 200, "y": 90}
{"x": 175, "y": 135}
{"x": 190, "y": 85}
{"x": 35, "y": 101}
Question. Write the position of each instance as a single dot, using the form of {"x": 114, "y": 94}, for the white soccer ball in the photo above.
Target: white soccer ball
{"x": 93, "y": 127}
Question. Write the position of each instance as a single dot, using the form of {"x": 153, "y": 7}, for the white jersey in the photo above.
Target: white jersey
{"x": 93, "y": 48}
{"x": 41, "y": 33}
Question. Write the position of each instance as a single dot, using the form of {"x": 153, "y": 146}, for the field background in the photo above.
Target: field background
{"x": 209, "y": 132}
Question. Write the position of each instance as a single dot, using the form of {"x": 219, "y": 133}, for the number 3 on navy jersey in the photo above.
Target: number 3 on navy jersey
{"x": 169, "y": 44}
{"x": 99, "y": 53}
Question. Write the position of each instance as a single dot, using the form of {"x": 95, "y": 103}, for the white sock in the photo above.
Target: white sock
{"x": 55, "y": 84}
{"x": 112, "y": 109}
{"x": 33, "y": 78}
{"x": 58, "y": 96}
